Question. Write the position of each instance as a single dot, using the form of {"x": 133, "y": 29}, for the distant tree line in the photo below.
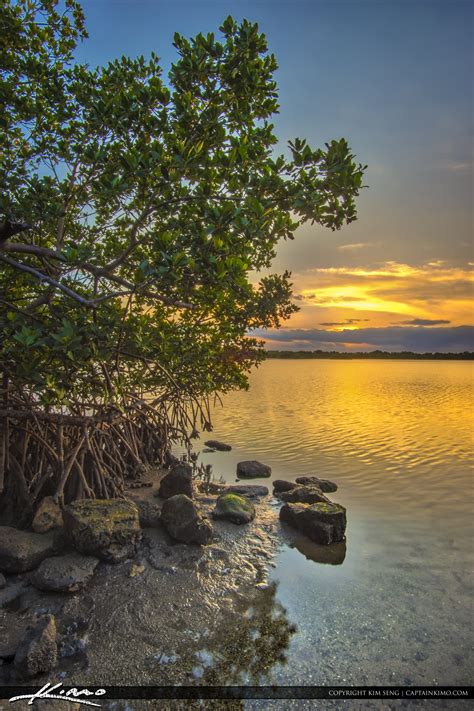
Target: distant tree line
{"x": 380, "y": 355}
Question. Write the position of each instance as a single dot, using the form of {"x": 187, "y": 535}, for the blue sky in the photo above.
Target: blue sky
{"x": 395, "y": 79}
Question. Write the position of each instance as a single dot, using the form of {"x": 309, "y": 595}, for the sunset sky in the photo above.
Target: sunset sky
{"x": 395, "y": 78}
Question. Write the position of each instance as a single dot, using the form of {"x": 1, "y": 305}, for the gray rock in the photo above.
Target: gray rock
{"x": 11, "y": 592}
{"x": 304, "y": 495}
{"x": 48, "y": 516}
{"x": 3, "y": 581}
{"x": 38, "y": 650}
{"x": 282, "y": 485}
{"x": 251, "y": 491}
{"x": 328, "y": 487}
{"x": 106, "y": 528}
{"x": 183, "y": 522}
{"x": 253, "y": 470}
{"x": 324, "y": 523}
{"x": 68, "y": 573}
{"x": 234, "y": 508}
{"x": 179, "y": 480}
{"x": 149, "y": 514}
{"x": 12, "y": 632}
{"x": 220, "y": 446}
{"x": 22, "y": 550}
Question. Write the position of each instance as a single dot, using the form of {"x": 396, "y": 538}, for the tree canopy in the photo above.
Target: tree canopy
{"x": 153, "y": 201}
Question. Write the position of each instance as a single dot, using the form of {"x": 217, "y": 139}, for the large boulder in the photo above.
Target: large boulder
{"x": 68, "y": 573}
{"x": 106, "y": 528}
{"x": 324, "y": 523}
{"x": 250, "y": 491}
{"x": 38, "y": 650}
{"x": 235, "y": 508}
{"x": 303, "y": 495}
{"x": 325, "y": 485}
{"x": 179, "y": 480}
{"x": 220, "y": 446}
{"x": 48, "y": 516}
{"x": 22, "y": 550}
{"x": 183, "y": 522}
{"x": 280, "y": 485}
{"x": 253, "y": 470}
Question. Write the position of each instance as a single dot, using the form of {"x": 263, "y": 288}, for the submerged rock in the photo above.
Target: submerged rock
{"x": 250, "y": 491}
{"x": 106, "y": 528}
{"x": 68, "y": 573}
{"x": 282, "y": 485}
{"x": 324, "y": 523}
{"x": 253, "y": 470}
{"x": 235, "y": 508}
{"x": 21, "y": 551}
{"x": 38, "y": 650}
{"x": 183, "y": 522}
{"x": 220, "y": 446}
{"x": 325, "y": 485}
{"x": 304, "y": 495}
{"x": 179, "y": 480}
{"x": 48, "y": 516}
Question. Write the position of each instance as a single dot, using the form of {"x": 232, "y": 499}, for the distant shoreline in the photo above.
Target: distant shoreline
{"x": 371, "y": 355}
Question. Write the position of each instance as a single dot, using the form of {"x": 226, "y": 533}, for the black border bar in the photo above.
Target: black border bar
{"x": 98, "y": 694}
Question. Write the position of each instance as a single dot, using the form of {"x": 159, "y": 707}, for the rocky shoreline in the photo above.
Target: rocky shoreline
{"x": 153, "y": 589}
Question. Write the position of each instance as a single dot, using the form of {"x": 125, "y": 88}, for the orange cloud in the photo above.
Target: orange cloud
{"x": 433, "y": 291}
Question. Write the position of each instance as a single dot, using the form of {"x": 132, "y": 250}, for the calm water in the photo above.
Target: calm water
{"x": 394, "y": 606}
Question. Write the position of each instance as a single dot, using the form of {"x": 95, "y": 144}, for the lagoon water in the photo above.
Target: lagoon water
{"x": 394, "y": 606}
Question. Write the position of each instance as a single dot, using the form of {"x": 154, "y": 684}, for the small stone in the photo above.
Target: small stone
{"x": 3, "y": 581}
{"x": 251, "y": 491}
{"x": 328, "y": 487}
{"x": 220, "y": 446}
{"x": 182, "y": 521}
{"x": 324, "y": 523}
{"x": 38, "y": 650}
{"x": 179, "y": 480}
{"x": 48, "y": 516}
{"x": 304, "y": 495}
{"x": 253, "y": 470}
{"x": 106, "y": 528}
{"x": 282, "y": 485}
{"x": 136, "y": 570}
{"x": 68, "y": 573}
{"x": 234, "y": 508}
{"x": 21, "y": 551}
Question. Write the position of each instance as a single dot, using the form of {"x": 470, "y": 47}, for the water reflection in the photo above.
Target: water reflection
{"x": 329, "y": 555}
{"x": 252, "y": 641}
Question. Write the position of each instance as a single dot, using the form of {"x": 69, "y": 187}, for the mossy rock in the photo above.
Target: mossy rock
{"x": 234, "y": 508}
{"x": 106, "y": 528}
{"x": 323, "y": 522}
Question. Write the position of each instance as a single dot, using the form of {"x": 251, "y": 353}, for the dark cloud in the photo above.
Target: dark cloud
{"x": 347, "y": 322}
{"x": 423, "y": 322}
{"x": 394, "y": 338}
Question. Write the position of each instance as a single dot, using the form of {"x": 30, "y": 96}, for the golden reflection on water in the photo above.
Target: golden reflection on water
{"x": 394, "y": 430}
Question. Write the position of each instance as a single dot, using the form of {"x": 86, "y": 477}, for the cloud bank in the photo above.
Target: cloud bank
{"x": 418, "y": 339}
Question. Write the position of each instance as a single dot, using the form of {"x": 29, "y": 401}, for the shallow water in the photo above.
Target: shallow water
{"x": 395, "y": 605}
